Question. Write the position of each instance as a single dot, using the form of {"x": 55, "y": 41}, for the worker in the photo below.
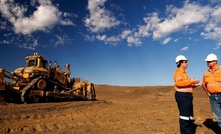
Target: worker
{"x": 50, "y": 64}
{"x": 183, "y": 95}
{"x": 56, "y": 66}
{"x": 68, "y": 73}
{"x": 212, "y": 85}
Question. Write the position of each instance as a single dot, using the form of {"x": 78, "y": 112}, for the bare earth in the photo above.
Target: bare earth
{"x": 118, "y": 110}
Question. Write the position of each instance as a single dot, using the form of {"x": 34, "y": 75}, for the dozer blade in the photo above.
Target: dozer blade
{"x": 64, "y": 96}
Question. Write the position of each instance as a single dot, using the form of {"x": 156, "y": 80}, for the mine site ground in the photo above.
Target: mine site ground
{"x": 117, "y": 110}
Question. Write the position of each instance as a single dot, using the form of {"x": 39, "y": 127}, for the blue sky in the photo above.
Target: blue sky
{"x": 129, "y": 43}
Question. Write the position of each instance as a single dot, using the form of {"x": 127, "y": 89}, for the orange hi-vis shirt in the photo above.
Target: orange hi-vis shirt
{"x": 212, "y": 81}
{"x": 182, "y": 82}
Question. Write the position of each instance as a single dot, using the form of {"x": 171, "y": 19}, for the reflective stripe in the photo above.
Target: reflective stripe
{"x": 184, "y": 118}
{"x": 184, "y": 89}
{"x": 213, "y": 84}
{"x": 178, "y": 78}
{"x": 218, "y": 70}
{"x": 191, "y": 118}
{"x": 214, "y": 87}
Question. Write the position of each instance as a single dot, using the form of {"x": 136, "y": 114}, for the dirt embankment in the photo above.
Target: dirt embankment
{"x": 118, "y": 110}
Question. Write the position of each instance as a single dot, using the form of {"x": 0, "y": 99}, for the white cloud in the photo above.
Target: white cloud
{"x": 216, "y": 14}
{"x": 108, "y": 40}
{"x": 66, "y": 22}
{"x": 185, "y": 49}
{"x": 25, "y": 21}
{"x": 212, "y": 29}
{"x": 113, "y": 39}
{"x": 168, "y": 39}
{"x": 214, "y": 34}
{"x": 99, "y": 18}
{"x": 125, "y": 33}
{"x": 177, "y": 20}
{"x": 45, "y": 17}
{"x": 151, "y": 23}
{"x": 218, "y": 45}
{"x": 101, "y": 37}
{"x": 176, "y": 40}
{"x": 191, "y": 13}
{"x": 132, "y": 40}
{"x": 60, "y": 40}
{"x": 3, "y": 25}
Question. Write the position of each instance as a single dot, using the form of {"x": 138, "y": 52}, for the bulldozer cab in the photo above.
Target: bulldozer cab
{"x": 36, "y": 61}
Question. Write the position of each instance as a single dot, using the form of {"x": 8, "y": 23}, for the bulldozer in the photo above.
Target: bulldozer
{"x": 40, "y": 81}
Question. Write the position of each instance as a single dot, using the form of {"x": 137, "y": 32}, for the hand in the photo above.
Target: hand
{"x": 195, "y": 81}
{"x": 197, "y": 85}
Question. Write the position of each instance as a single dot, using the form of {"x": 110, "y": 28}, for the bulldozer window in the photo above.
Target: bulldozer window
{"x": 44, "y": 64}
{"x": 32, "y": 63}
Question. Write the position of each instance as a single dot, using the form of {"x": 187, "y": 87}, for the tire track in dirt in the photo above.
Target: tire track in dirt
{"x": 42, "y": 117}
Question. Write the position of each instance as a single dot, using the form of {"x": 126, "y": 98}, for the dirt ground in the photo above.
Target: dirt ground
{"x": 117, "y": 110}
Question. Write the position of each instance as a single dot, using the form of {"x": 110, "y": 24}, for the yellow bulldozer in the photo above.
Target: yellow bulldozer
{"x": 41, "y": 81}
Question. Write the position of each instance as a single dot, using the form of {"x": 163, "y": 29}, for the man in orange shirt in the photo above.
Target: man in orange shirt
{"x": 184, "y": 89}
{"x": 212, "y": 85}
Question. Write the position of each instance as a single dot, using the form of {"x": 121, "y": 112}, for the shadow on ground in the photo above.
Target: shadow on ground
{"x": 209, "y": 123}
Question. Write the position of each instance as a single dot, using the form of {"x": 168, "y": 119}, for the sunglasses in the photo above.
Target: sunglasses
{"x": 209, "y": 61}
{"x": 184, "y": 61}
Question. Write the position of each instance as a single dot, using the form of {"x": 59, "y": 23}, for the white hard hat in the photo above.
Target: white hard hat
{"x": 211, "y": 57}
{"x": 180, "y": 57}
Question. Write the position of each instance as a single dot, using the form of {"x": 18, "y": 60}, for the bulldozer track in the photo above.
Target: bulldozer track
{"x": 23, "y": 91}
{"x": 57, "y": 95}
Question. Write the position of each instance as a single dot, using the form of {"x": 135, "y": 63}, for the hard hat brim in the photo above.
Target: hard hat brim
{"x": 209, "y": 60}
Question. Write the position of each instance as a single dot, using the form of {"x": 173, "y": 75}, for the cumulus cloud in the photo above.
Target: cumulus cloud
{"x": 218, "y": 45}
{"x": 3, "y": 25}
{"x": 26, "y": 21}
{"x": 184, "y": 48}
{"x": 177, "y": 20}
{"x": 176, "y": 40}
{"x": 101, "y": 21}
{"x": 180, "y": 20}
{"x": 166, "y": 40}
{"x": 101, "y": 37}
{"x": 133, "y": 40}
{"x": 212, "y": 29}
{"x": 46, "y": 16}
{"x": 108, "y": 40}
{"x": 99, "y": 18}
{"x": 125, "y": 33}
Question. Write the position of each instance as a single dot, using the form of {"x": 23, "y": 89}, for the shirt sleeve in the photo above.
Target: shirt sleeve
{"x": 182, "y": 80}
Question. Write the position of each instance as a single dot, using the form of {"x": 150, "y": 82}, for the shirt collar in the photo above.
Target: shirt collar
{"x": 216, "y": 68}
{"x": 183, "y": 70}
